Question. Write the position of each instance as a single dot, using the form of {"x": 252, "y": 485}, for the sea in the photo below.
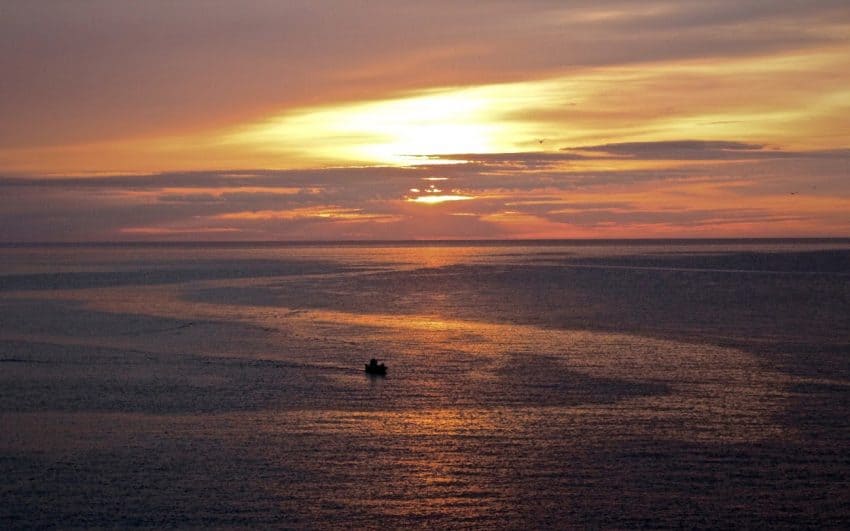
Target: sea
{"x": 530, "y": 385}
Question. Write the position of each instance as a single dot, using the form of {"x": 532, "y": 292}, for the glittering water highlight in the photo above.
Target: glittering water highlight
{"x": 667, "y": 384}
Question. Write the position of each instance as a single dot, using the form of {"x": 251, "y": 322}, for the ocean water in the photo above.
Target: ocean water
{"x": 531, "y": 385}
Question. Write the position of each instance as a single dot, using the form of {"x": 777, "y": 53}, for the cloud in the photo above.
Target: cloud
{"x": 190, "y": 198}
{"x": 86, "y": 72}
{"x": 704, "y": 150}
{"x": 682, "y": 187}
{"x": 526, "y": 159}
{"x": 681, "y": 218}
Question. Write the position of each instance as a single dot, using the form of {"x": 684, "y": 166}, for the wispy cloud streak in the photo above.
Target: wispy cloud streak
{"x": 577, "y": 192}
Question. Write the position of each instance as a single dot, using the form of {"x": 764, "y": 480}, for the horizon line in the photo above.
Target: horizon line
{"x": 434, "y": 241}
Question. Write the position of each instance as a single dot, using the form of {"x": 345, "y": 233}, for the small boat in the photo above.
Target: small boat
{"x": 373, "y": 367}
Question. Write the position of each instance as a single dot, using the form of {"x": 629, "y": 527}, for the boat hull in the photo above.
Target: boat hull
{"x": 380, "y": 370}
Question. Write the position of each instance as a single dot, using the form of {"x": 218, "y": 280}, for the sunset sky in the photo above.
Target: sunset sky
{"x": 312, "y": 120}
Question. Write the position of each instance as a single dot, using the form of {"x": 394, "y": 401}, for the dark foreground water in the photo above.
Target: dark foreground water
{"x": 665, "y": 384}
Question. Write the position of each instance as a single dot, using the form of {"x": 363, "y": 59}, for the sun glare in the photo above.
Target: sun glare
{"x": 539, "y": 115}
{"x": 405, "y": 130}
{"x": 435, "y": 199}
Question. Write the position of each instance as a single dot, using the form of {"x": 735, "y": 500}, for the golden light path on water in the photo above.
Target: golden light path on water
{"x": 715, "y": 394}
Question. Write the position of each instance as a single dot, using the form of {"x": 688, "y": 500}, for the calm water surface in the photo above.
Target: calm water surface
{"x": 555, "y": 384}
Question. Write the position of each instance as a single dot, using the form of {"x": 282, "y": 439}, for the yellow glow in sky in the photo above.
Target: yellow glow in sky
{"x": 436, "y": 199}
{"x": 400, "y": 131}
{"x": 749, "y": 99}
{"x": 690, "y": 99}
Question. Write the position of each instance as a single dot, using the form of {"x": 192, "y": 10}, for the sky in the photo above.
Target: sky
{"x": 336, "y": 120}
